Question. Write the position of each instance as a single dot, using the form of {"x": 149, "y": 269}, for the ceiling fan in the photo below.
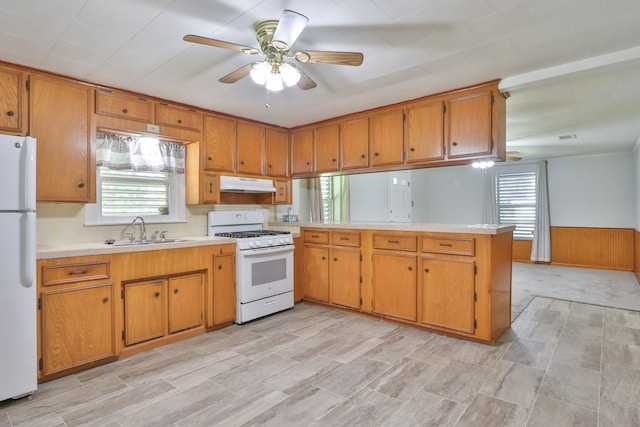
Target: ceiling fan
{"x": 514, "y": 156}
{"x": 275, "y": 39}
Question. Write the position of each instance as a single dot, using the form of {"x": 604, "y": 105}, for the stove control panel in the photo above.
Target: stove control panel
{"x": 255, "y": 243}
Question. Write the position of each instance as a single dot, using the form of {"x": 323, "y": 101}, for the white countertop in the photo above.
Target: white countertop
{"x": 99, "y": 248}
{"x": 402, "y": 226}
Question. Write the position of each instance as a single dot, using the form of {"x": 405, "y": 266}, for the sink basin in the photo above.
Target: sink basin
{"x": 142, "y": 242}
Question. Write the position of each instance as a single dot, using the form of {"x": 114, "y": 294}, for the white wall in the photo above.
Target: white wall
{"x": 368, "y": 197}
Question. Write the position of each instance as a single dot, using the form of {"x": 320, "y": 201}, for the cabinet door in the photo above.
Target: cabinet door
{"x": 316, "y": 273}
{"x": 277, "y": 152}
{"x": 395, "y": 285}
{"x": 250, "y": 140}
{"x": 387, "y": 135}
{"x": 185, "y": 302}
{"x": 344, "y": 266}
{"x": 224, "y": 288}
{"x": 469, "y": 124}
{"x": 60, "y": 120}
{"x": 144, "y": 311}
{"x": 283, "y": 192}
{"x": 125, "y": 106}
{"x": 210, "y": 189}
{"x": 326, "y": 140}
{"x": 354, "y": 143}
{"x": 301, "y": 152}
{"x": 11, "y": 100}
{"x": 173, "y": 115}
{"x": 219, "y": 143}
{"x": 448, "y": 287}
{"x": 77, "y": 327}
{"x": 424, "y": 132}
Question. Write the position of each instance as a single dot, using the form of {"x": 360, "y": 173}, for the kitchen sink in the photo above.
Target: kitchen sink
{"x": 142, "y": 242}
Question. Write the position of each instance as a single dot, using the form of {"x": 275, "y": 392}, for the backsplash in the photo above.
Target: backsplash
{"x": 59, "y": 223}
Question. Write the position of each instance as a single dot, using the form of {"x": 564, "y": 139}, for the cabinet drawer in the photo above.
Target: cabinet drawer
{"x": 315, "y": 236}
{"x": 69, "y": 273}
{"x": 340, "y": 238}
{"x": 125, "y": 106}
{"x": 462, "y": 246}
{"x": 390, "y": 241}
{"x": 169, "y": 115}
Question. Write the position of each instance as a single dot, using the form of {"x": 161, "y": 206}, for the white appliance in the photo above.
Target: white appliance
{"x": 18, "y": 365}
{"x": 264, "y": 263}
{"x": 237, "y": 184}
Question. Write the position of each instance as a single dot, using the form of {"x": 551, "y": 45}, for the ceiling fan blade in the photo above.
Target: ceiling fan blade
{"x": 327, "y": 57}
{"x": 305, "y": 81}
{"x": 236, "y": 75}
{"x": 219, "y": 43}
{"x": 288, "y": 30}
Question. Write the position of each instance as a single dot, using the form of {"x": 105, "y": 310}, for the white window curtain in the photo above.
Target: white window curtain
{"x": 490, "y": 206}
{"x": 541, "y": 244}
{"x": 315, "y": 199}
{"x": 343, "y": 184}
{"x": 118, "y": 152}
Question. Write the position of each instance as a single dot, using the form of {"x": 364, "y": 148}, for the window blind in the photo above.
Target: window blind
{"x": 516, "y": 194}
{"x": 130, "y": 193}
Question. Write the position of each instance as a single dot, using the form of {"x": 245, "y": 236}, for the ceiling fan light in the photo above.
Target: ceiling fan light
{"x": 274, "y": 82}
{"x": 289, "y": 28}
{"x": 290, "y": 75}
{"x": 260, "y": 72}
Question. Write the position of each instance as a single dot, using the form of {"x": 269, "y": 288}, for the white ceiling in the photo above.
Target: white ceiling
{"x": 572, "y": 67}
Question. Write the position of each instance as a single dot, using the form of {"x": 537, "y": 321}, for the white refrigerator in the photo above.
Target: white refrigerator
{"x": 18, "y": 349}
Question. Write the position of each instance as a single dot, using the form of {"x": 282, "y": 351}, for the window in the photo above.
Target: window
{"x": 326, "y": 189}
{"x": 516, "y": 200}
{"x": 136, "y": 177}
{"x": 335, "y": 198}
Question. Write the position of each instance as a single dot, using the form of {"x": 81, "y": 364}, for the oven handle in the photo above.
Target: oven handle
{"x": 267, "y": 251}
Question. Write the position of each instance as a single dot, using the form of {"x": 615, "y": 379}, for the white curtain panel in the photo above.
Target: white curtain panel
{"x": 315, "y": 199}
{"x": 117, "y": 152}
{"x": 541, "y": 245}
{"x": 344, "y": 198}
{"x": 490, "y": 205}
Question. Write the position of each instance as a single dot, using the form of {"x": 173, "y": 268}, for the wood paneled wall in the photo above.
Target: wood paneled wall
{"x": 606, "y": 248}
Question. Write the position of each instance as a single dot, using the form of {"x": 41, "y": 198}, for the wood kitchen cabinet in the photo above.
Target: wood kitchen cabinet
{"x": 186, "y": 308}
{"x": 424, "y": 131}
{"x": 219, "y": 141}
{"x": 61, "y": 113}
{"x": 144, "y": 310}
{"x": 387, "y": 137}
{"x": 315, "y": 273}
{"x": 13, "y": 100}
{"x": 224, "y": 289}
{"x": 326, "y": 142}
{"x": 250, "y": 143}
{"x": 345, "y": 276}
{"x": 283, "y": 192}
{"x": 124, "y": 106}
{"x": 469, "y": 124}
{"x": 179, "y": 117}
{"x": 76, "y": 315}
{"x": 276, "y": 152}
{"x": 301, "y": 149}
{"x": 354, "y": 143}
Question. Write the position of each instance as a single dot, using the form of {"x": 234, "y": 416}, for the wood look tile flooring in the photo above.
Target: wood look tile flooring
{"x": 562, "y": 364}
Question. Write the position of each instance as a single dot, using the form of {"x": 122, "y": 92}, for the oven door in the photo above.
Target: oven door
{"x": 264, "y": 272}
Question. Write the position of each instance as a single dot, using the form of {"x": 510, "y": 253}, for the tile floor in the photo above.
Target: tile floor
{"x": 562, "y": 364}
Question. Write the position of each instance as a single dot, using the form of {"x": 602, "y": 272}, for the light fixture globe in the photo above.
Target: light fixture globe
{"x": 274, "y": 81}
{"x": 260, "y": 72}
{"x": 290, "y": 74}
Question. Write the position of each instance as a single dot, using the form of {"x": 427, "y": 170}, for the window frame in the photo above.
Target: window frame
{"x": 518, "y": 233}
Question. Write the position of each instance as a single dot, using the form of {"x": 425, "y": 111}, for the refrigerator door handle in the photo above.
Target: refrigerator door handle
{"x": 29, "y": 168}
{"x": 28, "y": 258}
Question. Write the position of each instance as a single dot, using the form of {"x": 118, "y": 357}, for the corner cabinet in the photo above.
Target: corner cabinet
{"x": 61, "y": 114}
{"x": 219, "y": 143}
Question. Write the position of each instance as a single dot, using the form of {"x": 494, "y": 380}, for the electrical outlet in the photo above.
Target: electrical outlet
{"x": 153, "y": 128}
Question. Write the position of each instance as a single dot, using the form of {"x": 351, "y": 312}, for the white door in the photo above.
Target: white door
{"x": 399, "y": 196}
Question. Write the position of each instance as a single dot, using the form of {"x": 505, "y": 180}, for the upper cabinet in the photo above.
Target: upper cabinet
{"x": 61, "y": 123}
{"x": 302, "y": 151}
{"x": 117, "y": 104}
{"x": 386, "y": 137}
{"x": 250, "y": 144}
{"x": 219, "y": 143}
{"x": 469, "y": 128}
{"x": 13, "y": 117}
{"x": 326, "y": 140}
{"x": 276, "y": 152}
{"x": 354, "y": 143}
{"x": 424, "y": 131}
{"x": 179, "y": 117}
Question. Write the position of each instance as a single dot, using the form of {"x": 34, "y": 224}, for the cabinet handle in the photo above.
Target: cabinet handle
{"x": 75, "y": 272}
{"x": 394, "y": 241}
{"x": 454, "y": 143}
{"x": 220, "y": 267}
{"x": 344, "y": 238}
{"x": 179, "y": 121}
{"x": 209, "y": 158}
{"x": 308, "y": 163}
{"x": 333, "y": 160}
{"x": 323, "y": 258}
{"x": 362, "y": 156}
{"x": 175, "y": 291}
{"x": 376, "y": 154}
{"x": 335, "y": 259}
{"x": 157, "y": 294}
{"x": 105, "y": 299}
{"x": 426, "y": 270}
{"x": 81, "y": 184}
{"x": 210, "y": 187}
{"x": 446, "y": 244}
{"x": 10, "y": 113}
{"x": 270, "y": 166}
{"x": 410, "y": 268}
{"x": 242, "y": 162}
{"x": 314, "y": 236}
{"x": 124, "y": 110}
{"x": 412, "y": 149}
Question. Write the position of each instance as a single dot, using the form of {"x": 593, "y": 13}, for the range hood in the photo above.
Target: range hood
{"x": 236, "y": 184}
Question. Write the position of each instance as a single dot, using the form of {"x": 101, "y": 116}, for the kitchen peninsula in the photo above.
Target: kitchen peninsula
{"x": 454, "y": 279}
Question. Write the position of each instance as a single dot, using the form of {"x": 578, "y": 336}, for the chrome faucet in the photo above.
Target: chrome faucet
{"x": 163, "y": 235}
{"x": 143, "y": 237}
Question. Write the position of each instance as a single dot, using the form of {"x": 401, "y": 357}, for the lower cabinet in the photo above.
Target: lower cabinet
{"x": 156, "y": 307}
{"x": 224, "y": 289}
{"x": 448, "y": 293}
{"x": 315, "y": 273}
{"x": 395, "y": 285}
{"x": 344, "y": 282}
{"x": 76, "y": 316}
